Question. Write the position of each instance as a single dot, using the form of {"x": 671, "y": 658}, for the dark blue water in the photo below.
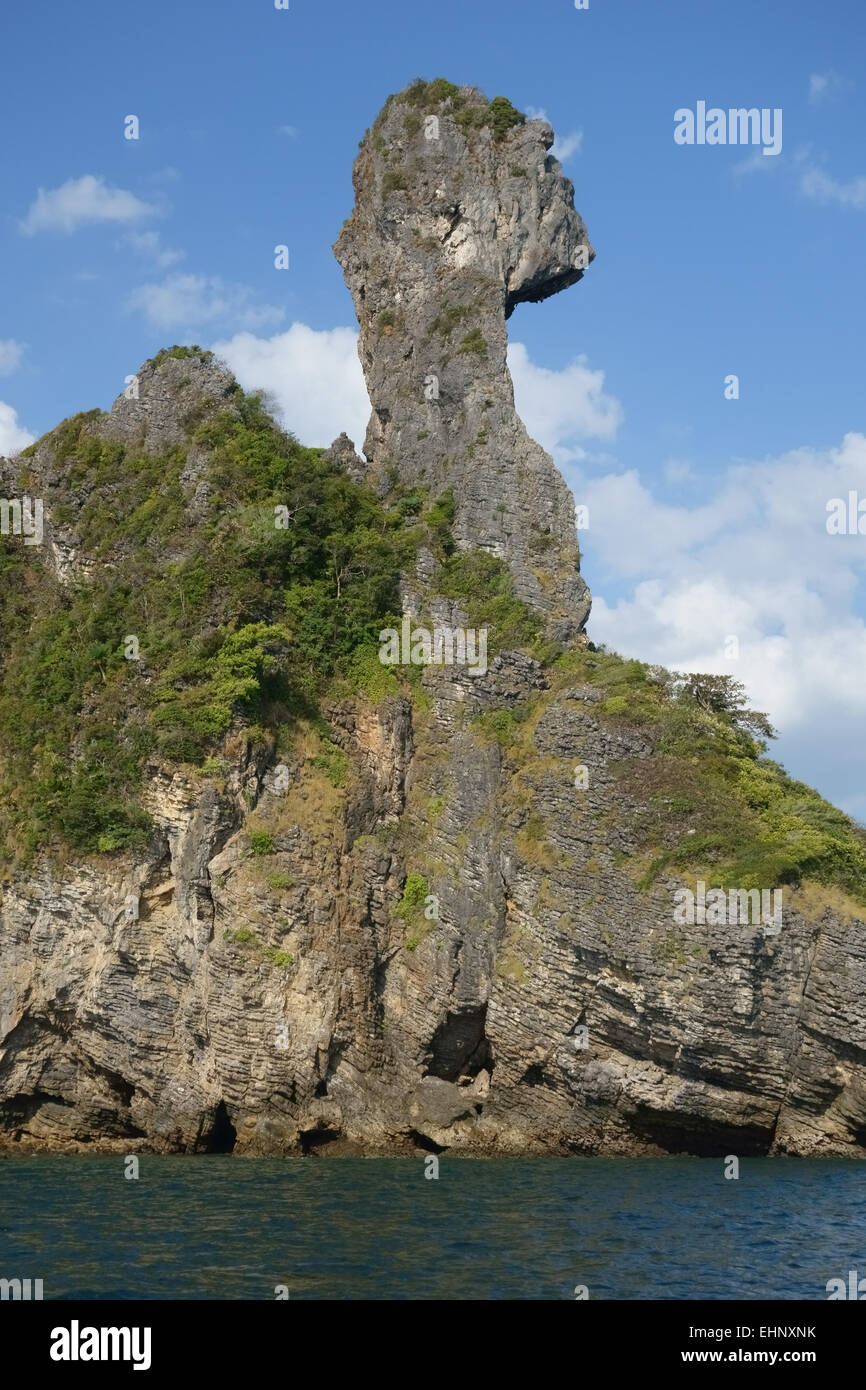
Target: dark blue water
{"x": 234, "y": 1228}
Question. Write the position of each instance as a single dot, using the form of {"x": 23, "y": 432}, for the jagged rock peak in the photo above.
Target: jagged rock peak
{"x": 342, "y": 454}
{"x": 167, "y": 395}
{"x": 460, "y": 214}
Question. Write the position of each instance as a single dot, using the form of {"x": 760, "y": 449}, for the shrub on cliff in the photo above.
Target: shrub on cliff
{"x": 470, "y": 112}
{"x": 233, "y": 617}
{"x": 484, "y": 587}
{"x": 708, "y": 800}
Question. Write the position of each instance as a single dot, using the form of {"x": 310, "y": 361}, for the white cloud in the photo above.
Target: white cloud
{"x": 13, "y": 435}
{"x": 752, "y": 559}
{"x": 150, "y": 245}
{"x": 813, "y": 181}
{"x": 80, "y": 202}
{"x": 314, "y": 377}
{"x": 755, "y": 163}
{"x": 288, "y": 130}
{"x": 564, "y": 146}
{"x": 561, "y": 407}
{"x": 193, "y": 301}
{"x": 826, "y": 86}
{"x": 671, "y": 581}
{"x": 10, "y": 355}
{"x": 815, "y": 184}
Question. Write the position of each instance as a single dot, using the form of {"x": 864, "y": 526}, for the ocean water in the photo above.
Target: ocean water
{"x": 234, "y": 1228}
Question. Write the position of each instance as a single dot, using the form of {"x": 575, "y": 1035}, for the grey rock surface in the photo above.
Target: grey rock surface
{"x": 286, "y": 1003}
{"x": 447, "y": 235}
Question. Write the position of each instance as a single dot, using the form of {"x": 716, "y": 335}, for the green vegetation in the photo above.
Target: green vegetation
{"x": 439, "y": 520}
{"x": 409, "y": 505}
{"x": 429, "y": 94}
{"x": 447, "y": 320}
{"x": 281, "y": 959}
{"x": 440, "y": 95}
{"x": 502, "y": 726}
{"x": 244, "y": 626}
{"x": 483, "y": 586}
{"x": 244, "y": 937}
{"x": 711, "y": 802}
{"x": 182, "y": 353}
{"x": 411, "y": 908}
{"x": 393, "y": 181}
{"x": 411, "y": 905}
{"x": 240, "y": 624}
{"x": 366, "y": 675}
{"x": 215, "y": 767}
{"x": 672, "y": 948}
{"x": 535, "y": 829}
{"x": 241, "y": 937}
{"x": 474, "y": 342}
{"x": 510, "y": 968}
{"x": 66, "y": 435}
{"x": 334, "y": 763}
{"x": 501, "y": 116}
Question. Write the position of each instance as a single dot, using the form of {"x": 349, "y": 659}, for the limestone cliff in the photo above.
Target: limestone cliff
{"x": 390, "y": 911}
{"x": 456, "y": 222}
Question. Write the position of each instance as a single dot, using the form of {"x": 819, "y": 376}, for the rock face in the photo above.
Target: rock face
{"x": 452, "y": 227}
{"x": 532, "y": 997}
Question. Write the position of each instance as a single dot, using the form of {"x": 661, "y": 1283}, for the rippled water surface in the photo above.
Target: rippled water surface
{"x": 228, "y": 1228}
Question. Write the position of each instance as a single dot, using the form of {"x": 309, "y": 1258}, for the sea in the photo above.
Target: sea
{"x": 228, "y": 1227}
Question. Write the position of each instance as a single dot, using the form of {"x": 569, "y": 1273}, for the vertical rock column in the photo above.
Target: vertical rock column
{"x": 455, "y": 222}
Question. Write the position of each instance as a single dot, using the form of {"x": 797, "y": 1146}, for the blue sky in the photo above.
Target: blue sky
{"x": 707, "y": 515}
